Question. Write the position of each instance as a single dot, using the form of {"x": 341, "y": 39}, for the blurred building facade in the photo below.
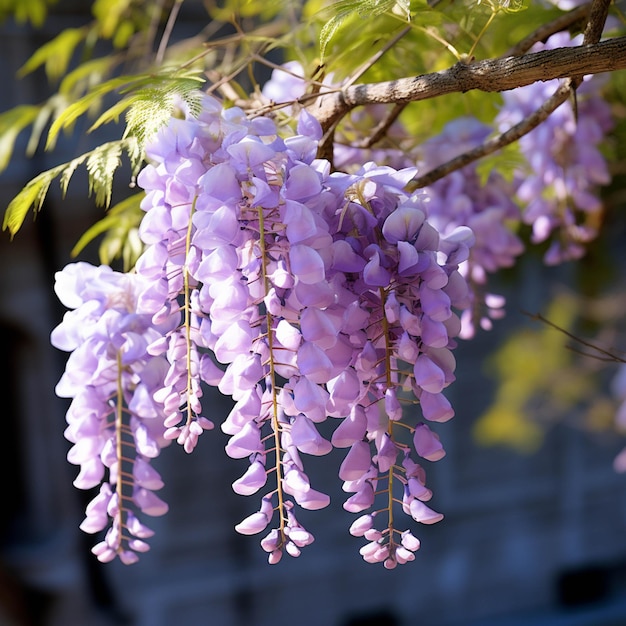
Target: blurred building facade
{"x": 537, "y": 539}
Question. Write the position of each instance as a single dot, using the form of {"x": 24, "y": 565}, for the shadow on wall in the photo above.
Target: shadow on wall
{"x": 379, "y": 618}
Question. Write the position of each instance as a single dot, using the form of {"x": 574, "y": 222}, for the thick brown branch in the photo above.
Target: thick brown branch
{"x": 492, "y": 75}
{"x": 597, "y": 18}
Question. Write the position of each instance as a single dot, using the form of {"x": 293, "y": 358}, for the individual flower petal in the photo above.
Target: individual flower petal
{"x": 306, "y": 438}
{"x": 306, "y": 264}
{"x": 361, "y": 500}
{"x": 252, "y": 480}
{"x": 246, "y": 442}
{"x": 149, "y": 502}
{"x": 422, "y": 513}
{"x": 427, "y": 443}
{"x": 428, "y": 375}
{"x": 312, "y": 500}
{"x": 357, "y": 462}
{"x": 253, "y": 524}
{"x": 403, "y": 224}
{"x": 314, "y": 363}
{"x": 387, "y": 453}
{"x": 351, "y": 429}
{"x": 436, "y": 407}
{"x": 361, "y": 525}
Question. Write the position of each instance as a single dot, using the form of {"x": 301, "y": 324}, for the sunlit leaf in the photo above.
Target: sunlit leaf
{"x": 69, "y": 170}
{"x": 101, "y": 165}
{"x": 55, "y": 55}
{"x": 89, "y": 73}
{"x": 110, "y": 13}
{"x": 31, "y": 196}
{"x": 84, "y": 104}
{"x": 33, "y": 11}
{"x": 343, "y": 9}
{"x": 537, "y": 379}
{"x": 12, "y": 122}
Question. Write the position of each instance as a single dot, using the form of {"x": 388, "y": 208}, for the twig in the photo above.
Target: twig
{"x": 561, "y": 23}
{"x": 169, "y": 27}
{"x": 376, "y": 57}
{"x": 597, "y": 19}
{"x": 609, "y": 356}
{"x": 514, "y": 133}
{"x": 381, "y": 129}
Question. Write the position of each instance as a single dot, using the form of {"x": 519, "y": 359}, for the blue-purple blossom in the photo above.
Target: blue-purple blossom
{"x": 303, "y": 295}
{"x": 565, "y": 166}
{"x": 462, "y": 199}
{"x": 113, "y": 421}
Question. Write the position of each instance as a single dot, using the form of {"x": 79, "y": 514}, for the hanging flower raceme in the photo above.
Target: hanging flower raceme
{"x": 113, "y": 420}
{"x": 302, "y": 294}
{"x": 462, "y": 199}
{"x": 404, "y": 279}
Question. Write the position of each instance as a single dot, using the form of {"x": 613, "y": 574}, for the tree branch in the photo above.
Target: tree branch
{"x": 491, "y": 75}
{"x": 598, "y": 11}
{"x": 562, "y": 93}
{"x": 563, "y": 22}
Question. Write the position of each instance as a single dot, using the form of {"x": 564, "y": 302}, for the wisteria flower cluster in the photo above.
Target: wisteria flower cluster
{"x": 114, "y": 421}
{"x": 554, "y": 189}
{"x": 486, "y": 206}
{"x": 459, "y": 199}
{"x": 565, "y": 164}
{"x": 303, "y": 294}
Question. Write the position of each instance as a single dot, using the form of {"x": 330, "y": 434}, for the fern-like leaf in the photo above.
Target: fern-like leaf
{"x": 32, "y": 195}
{"x": 55, "y": 55}
{"x": 343, "y": 9}
{"x": 87, "y": 74}
{"x": 102, "y": 162}
{"x": 152, "y": 107}
{"x": 101, "y": 165}
{"x": 84, "y": 104}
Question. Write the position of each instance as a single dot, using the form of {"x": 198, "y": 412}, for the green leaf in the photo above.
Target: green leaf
{"x": 343, "y": 9}
{"x": 90, "y": 73}
{"x": 81, "y": 106}
{"x": 112, "y": 114}
{"x": 33, "y": 11}
{"x": 32, "y": 195}
{"x": 69, "y": 170}
{"x": 110, "y": 14}
{"x": 46, "y": 112}
{"x": 55, "y": 55}
{"x": 12, "y": 122}
{"x": 328, "y": 30}
{"x": 102, "y": 162}
{"x": 151, "y": 107}
{"x": 161, "y": 87}
{"x": 101, "y": 165}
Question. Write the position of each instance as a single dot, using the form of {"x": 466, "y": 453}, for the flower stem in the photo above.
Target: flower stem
{"x": 272, "y": 378}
